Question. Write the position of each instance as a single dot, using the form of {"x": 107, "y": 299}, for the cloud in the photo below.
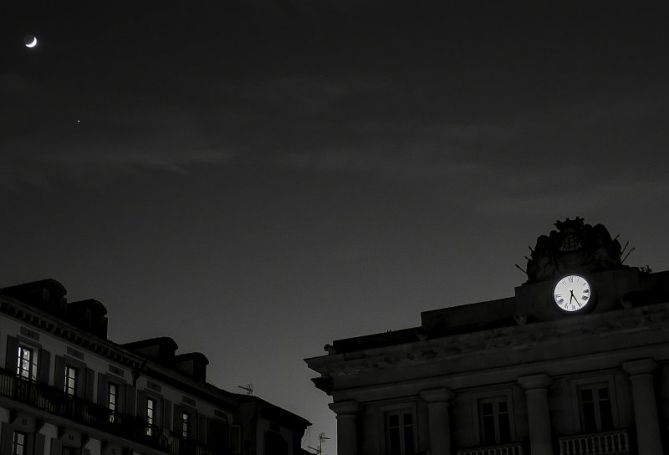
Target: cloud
{"x": 363, "y": 122}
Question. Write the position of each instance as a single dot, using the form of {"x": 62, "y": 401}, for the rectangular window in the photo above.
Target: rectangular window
{"x": 70, "y": 385}
{"x": 596, "y": 412}
{"x": 18, "y": 443}
{"x": 494, "y": 421}
{"x": 112, "y": 397}
{"x": 150, "y": 415}
{"x": 400, "y": 438}
{"x": 26, "y": 363}
{"x": 185, "y": 425}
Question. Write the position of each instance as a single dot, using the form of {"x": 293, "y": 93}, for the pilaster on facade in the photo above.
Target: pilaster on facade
{"x": 345, "y": 408}
{"x": 50, "y": 432}
{"x": 347, "y": 425}
{"x": 437, "y": 395}
{"x": 5, "y": 415}
{"x": 439, "y": 425}
{"x": 538, "y": 413}
{"x": 535, "y": 381}
{"x": 641, "y": 374}
{"x": 640, "y": 366}
{"x": 94, "y": 446}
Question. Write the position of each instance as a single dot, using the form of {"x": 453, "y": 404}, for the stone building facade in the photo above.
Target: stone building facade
{"x": 575, "y": 363}
{"x": 66, "y": 389}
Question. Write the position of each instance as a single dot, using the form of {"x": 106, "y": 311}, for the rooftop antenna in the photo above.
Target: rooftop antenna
{"x": 318, "y": 450}
{"x": 627, "y": 255}
{"x": 248, "y": 388}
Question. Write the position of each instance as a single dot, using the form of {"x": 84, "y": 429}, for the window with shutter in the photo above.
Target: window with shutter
{"x": 70, "y": 384}
{"x": 150, "y": 416}
{"x": 26, "y": 363}
{"x": 112, "y": 400}
{"x": 185, "y": 425}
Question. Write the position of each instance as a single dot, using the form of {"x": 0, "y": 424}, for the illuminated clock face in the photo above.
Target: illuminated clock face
{"x": 572, "y": 293}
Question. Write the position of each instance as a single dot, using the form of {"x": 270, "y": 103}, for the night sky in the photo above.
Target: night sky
{"x": 256, "y": 178}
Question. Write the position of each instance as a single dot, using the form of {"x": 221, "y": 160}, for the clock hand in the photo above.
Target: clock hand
{"x": 571, "y": 296}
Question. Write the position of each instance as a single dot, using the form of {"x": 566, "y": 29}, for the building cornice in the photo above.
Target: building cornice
{"x": 621, "y": 323}
{"x": 68, "y": 332}
{"x": 108, "y": 349}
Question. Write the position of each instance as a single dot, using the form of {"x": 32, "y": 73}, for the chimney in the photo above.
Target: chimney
{"x": 159, "y": 349}
{"x": 47, "y": 295}
{"x": 90, "y": 315}
{"x": 193, "y": 364}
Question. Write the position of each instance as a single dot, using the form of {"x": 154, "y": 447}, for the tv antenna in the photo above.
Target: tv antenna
{"x": 318, "y": 450}
{"x": 248, "y": 388}
{"x": 625, "y": 250}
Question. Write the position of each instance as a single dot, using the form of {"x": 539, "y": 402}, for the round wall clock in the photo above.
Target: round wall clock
{"x": 572, "y": 293}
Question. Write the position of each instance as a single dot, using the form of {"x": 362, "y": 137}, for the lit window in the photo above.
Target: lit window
{"x": 150, "y": 415}
{"x": 494, "y": 421}
{"x": 400, "y": 433}
{"x": 596, "y": 408}
{"x": 26, "y": 363}
{"x": 185, "y": 425}
{"x": 70, "y": 385}
{"x": 112, "y": 396}
{"x": 18, "y": 443}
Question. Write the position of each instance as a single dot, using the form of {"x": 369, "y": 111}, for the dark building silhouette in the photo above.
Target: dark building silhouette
{"x": 66, "y": 389}
{"x": 575, "y": 363}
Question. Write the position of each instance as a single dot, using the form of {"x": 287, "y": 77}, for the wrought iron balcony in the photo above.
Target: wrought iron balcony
{"x": 515, "y": 448}
{"x": 55, "y": 401}
{"x": 605, "y": 443}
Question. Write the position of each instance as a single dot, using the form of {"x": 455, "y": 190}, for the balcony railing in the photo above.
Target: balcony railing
{"x": 55, "y": 401}
{"x": 605, "y": 443}
{"x": 515, "y": 448}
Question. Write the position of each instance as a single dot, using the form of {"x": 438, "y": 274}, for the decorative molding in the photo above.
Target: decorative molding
{"x": 63, "y": 329}
{"x": 619, "y": 323}
{"x": 29, "y": 333}
{"x": 438, "y": 395}
{"x": 75, "y": 353}
{"x": 535, "y": 381}
{"x": 343, "y": 408}
{"x": 640, "y": 366}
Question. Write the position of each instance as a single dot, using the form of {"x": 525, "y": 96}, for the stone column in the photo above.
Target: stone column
{"x": 538, "y": 414}
{"x": 438, "y": 419}
{"x": 347, "y": 426}
{"x": 645, "y": 405}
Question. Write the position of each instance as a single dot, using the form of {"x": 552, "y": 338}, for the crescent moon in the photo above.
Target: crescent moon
{"x": 33, "y": 43}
